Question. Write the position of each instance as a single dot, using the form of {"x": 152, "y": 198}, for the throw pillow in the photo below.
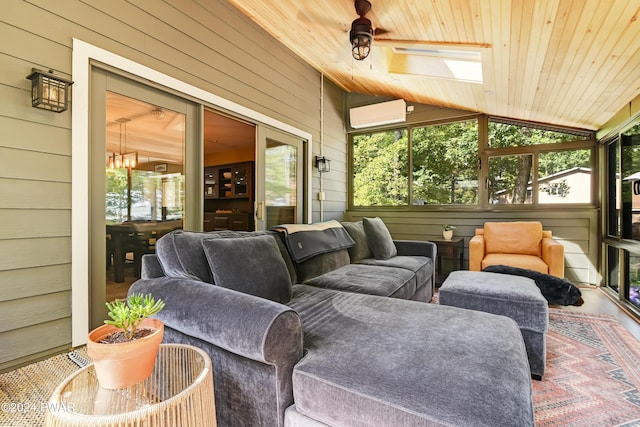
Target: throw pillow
{"x": 379, "y": 239}
{"x": 180, "y": 254}
{"x": 252, "y": 265}
{"x": 360, "y": 250}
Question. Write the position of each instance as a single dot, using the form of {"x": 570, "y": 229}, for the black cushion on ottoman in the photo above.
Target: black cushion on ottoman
{"x": 554, "y": 289}
{"x": 516, "y": 297}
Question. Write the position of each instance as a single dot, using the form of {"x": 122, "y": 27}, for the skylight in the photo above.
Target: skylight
{"x": 460, "y": 65}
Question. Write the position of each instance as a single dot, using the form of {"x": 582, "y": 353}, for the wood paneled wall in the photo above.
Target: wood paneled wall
{"x": 576, "y": 229}
{"x": 210, "y": 45}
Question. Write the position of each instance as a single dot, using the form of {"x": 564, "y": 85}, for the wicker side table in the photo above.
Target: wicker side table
{"x": 179, "y": 392}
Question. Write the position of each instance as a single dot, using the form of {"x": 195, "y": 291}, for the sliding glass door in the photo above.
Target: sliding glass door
{"x": 145, "y": 175}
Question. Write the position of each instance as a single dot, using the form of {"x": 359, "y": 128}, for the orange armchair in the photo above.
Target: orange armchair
{"x": 517, "y": 244}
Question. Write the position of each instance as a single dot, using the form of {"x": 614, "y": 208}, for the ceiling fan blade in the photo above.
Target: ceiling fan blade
{"x": 398, "y": 42}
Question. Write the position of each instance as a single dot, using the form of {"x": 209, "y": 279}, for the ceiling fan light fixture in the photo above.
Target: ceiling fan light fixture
{"x": 361, "y": 37}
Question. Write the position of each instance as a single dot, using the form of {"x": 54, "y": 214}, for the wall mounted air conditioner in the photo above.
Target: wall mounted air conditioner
{"x": 383, "y": 113}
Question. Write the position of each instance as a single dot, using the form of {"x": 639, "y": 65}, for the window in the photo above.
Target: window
{"x": 564, "y": 177}
{"x": 445, "y": 164}
{"x": 439, "y": 164}
{"x": 630, "y": 177}
{"x": 505, "y": 133}
{"x": 614, "y": 187}
{"x": 510, "y": 179}
{"x": 613, "y": 267}
{"x": 380, "y": 169}
{"x": 534, "y": 165}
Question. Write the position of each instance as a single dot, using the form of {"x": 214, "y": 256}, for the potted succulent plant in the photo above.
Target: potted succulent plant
{"x": 447, "y": 231}
{"x": 124, "y": 349}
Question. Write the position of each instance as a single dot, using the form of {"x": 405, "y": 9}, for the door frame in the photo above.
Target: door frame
{"x": 83, "y": 55}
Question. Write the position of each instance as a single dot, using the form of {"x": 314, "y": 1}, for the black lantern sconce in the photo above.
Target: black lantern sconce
{"x": 323, "y": 164}
{"x": 49, "y": 91}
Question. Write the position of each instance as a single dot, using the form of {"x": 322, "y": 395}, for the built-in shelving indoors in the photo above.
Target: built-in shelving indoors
{"x": 228, "y": 197}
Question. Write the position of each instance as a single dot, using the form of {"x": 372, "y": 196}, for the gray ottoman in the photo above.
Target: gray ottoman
{"x": 514, "y": 296}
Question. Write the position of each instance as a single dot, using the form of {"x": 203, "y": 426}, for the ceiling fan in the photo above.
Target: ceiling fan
{"x": 362, "y": 34}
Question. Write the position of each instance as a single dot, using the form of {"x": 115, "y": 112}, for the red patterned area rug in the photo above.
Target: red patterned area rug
{"x": 592, "y": 377}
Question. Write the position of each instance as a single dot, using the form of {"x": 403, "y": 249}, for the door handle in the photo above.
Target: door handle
{"x": 259, "y": 210}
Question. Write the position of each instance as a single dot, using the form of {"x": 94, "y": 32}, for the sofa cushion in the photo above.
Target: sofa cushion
{"x": 421, "y": 266}
{"x": 369, "y": 279}
{"x": 519, "y": 237}
{"x": 378, "y": 238}
{"x": 361, "y": 249}
{"x": 252, "y": 265}
{"x": 457, "y": 367}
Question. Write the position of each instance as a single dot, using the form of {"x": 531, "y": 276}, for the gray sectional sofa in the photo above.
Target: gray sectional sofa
{"x": 322, "y": 339}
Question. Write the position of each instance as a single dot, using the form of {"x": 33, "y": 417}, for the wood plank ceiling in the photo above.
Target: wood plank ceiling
{"x": 565, "y": 62}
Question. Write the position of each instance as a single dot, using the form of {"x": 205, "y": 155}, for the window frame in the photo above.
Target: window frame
{"x": 484, "y": 152}
{"x": 535, "y": 151}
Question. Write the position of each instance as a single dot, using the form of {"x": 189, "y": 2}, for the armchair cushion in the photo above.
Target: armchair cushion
{"x": 513, "y": 237}
{"x": 529, "y": 262}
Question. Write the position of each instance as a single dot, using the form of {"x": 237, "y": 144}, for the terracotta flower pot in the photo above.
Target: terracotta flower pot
{"x": 124, "y": 364}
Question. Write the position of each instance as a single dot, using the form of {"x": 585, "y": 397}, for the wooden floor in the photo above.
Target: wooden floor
{"x": 596, "y": 301}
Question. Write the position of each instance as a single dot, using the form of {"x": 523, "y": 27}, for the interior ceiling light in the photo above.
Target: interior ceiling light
{"x": 157, "y": 113}
{"x": 361, "y": 34}
{"x": 123, "y": 159}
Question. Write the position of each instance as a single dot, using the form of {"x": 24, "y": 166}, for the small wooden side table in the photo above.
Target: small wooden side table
{"x": 179, "y": 392}
{"x": 449, "y": 249}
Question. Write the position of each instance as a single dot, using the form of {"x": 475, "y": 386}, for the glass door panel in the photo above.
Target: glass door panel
{"x": 143, "y": 157}
{"x": 280, "y": 180}
{"x": 281, "y": 183}
{"x": 144, "y": 174}
{"x": 142, "y": 182}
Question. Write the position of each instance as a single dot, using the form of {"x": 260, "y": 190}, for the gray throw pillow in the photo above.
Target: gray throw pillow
{"x": 252, "y": 265}
{"x": 379, "y": 239}
{"x": 360, "y": 250}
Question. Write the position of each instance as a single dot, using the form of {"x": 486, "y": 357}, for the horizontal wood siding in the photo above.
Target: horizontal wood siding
{"x": 575, "y": 229}
{"x": 334, "y": 183}
{"x": 210, "y": 45}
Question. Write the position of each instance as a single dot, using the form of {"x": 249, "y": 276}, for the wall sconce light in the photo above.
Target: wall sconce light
{"x": 323, "y": 164}
{"x": 48, "y": 91}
